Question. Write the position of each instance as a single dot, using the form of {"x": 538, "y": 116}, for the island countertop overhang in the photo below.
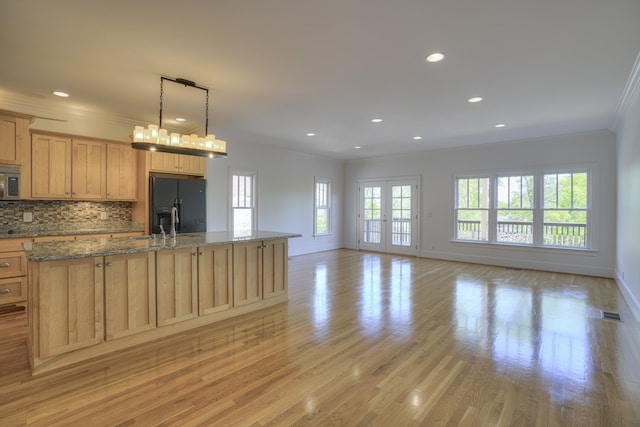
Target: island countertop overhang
{"x": 59, "y": 250}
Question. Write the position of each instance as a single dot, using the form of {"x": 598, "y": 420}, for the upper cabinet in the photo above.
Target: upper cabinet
{"x": 121, "y": 172}
{"x": 88, "y": 170}
{"x": 14, "y": 132}
{"x": 50, "y": 167}
{"x": 65, "y": 168}
{"x": 178, "y": 164}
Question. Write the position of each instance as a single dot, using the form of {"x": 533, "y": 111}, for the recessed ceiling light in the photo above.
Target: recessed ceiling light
{"x": 376, "y": 120}
{"x": 475, "y": 99}
{"x": 417, "y": 138}
{"x": 357, "y": 147}
{"x": 311, "y": 134}
{"x": 180, "y": 119}
{"x": 500, "y": 125}
{"x": 60, "y": 94}
{"x": 435, "y": 57}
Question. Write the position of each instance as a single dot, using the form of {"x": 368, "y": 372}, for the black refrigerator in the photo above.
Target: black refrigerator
{"x": 187, "y": 195}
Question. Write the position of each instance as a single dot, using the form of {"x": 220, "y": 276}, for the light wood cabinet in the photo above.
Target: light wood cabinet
{"x": 178, "y": 164}
{"x": 14, "y": 132}
{"x": 247, "y": 273}
{"x": 13, "y": 272}
{"x": 259, "y": 270}
{"x": 275, "y": 267}
{"x": 176, "y": 285}
{"x": 66, "y": 312}
{"x": 121, "y": 172}
{"x": 130, "y": 303}
{"x": 88, "y": 170}
{"x": 215, "y": 279}
{"x": 50, "y": 167}
{"x": 193, "y": 165}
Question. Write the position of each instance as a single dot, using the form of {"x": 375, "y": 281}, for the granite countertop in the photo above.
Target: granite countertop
{"x": 73, "y": 228}
{"x": 52, "y": 251}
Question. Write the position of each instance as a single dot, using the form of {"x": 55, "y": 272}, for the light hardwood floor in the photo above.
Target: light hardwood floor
{"x": 365, "y": 339}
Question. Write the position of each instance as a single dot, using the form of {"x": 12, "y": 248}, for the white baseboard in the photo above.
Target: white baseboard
{"x": 631, "y": 300}
{"x": 520, "y": 263}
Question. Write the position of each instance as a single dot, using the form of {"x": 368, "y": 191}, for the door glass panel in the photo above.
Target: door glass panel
{"x": 372, "y": 215}
{"x": 401, "y": 215}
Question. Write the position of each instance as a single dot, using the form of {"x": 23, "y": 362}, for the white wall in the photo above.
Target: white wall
{"x": 285, "y": 192}
{"x": 437, "y": 169}
{"x": 628, "y": 232}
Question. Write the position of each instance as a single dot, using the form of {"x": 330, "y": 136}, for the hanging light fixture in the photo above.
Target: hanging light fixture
{"x": 155, "y": 138}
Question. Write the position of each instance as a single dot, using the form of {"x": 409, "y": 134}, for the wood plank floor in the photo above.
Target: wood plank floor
{"x": 365, "y": 340}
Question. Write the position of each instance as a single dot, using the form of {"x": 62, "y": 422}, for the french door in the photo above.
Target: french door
{"x": 388, "y": 216}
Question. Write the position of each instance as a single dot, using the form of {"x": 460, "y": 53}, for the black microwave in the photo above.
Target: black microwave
{"x": 9, "y": 183}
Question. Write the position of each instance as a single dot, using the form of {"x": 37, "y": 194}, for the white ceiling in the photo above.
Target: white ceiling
{"x": 278, "y": 69}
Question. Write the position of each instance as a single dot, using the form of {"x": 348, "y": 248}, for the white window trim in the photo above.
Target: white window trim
{"x": 538, "y": 174}
{"x": 254, "y": 189}
{"x": 316, "y": 181}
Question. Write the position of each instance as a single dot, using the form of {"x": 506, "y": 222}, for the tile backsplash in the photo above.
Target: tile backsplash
{"x": 62, "y": 211}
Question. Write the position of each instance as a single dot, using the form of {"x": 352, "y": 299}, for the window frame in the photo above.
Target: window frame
{"x": 328, "y": 196}
{"x": 254, "y": 199}
{"x": 538, "y": 209}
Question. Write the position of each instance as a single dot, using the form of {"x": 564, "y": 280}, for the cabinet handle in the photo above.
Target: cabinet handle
{"x": 5, "y": 291}
{"x": 109, "y": 264}
{"x": 99, "y": 265}
{"x": 194, "y": 254}
{"x": 200, "y": 253}
{"x": 5, "y": 264}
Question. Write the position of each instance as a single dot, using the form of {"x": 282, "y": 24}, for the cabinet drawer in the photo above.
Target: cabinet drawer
{"x": 13, "y": 290}
{"x": 13, "y": 264}
{"x": 12, "y": 245}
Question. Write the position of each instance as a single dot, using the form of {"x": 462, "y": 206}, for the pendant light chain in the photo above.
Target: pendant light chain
{"x": 161, "y": 99}
{"x": 206, "y": 117}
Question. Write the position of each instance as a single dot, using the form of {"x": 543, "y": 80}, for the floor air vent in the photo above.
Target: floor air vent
{"x": 611, "y": 316}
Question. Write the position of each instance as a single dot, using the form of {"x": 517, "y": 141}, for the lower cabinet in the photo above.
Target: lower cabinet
{"x": 215, "y": 279}
{"x": 129, "y": 294}
{"x": 176, "y": 285}
{"x": 259, "y": 270}
{"x": 275, "y": 267}
{"x": 247, "y": 273}
{"x": 70, "y": 314}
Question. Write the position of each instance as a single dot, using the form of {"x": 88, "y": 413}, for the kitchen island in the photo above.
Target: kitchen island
{"x": 91, "y": 297}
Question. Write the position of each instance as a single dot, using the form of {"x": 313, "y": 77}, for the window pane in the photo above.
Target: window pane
{"x": 472, "y": 224}
{"x": 580, "y": 192}
{"x": 551, "y": 191}
{"x": 515, "y": 226}
{"x": 565, "y": 228}
{"x": 321, "y": 221}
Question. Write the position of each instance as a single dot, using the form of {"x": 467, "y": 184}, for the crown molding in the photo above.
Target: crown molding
{"x": 629, "y": 93}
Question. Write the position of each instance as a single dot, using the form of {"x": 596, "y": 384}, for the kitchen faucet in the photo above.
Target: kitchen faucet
{"x": 174, "y": 221}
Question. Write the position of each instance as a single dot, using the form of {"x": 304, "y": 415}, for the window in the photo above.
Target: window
{"x": 566, "y": 209}
{"x": 243, "y": 216}
{"x": 472, "y": 209}
{"x": 505, "y": 209}
{"x": 515, "y": 195}
{"x": 322, "y": 211}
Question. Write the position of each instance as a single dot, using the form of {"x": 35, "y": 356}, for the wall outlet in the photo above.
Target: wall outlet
{"x": 103, "y": 215}
{"x": 27, "y": 217}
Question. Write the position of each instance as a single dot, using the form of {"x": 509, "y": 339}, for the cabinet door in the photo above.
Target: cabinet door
{"x": 176, "y": 285}
{"x": 13, "y": 132}
{"x": 50, "y": 167}
{"x": 193, "y": 165}
{"x": 121, "y": 172}
{"x": 129, "y": 294}
{"x": 165, "y": 162}
{"x": 215, "y": 278}
{"x": 69, "y": 303}
{"x": 247, "y": 273}
{"x": 88, "y": 170}
{"x": 275, "y": 266}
